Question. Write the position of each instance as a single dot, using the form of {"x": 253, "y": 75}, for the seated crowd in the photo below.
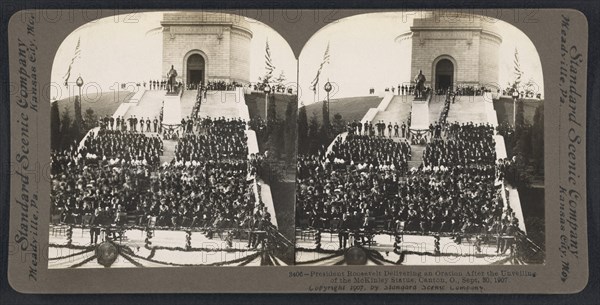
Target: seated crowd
{"x": 216, "y": 139}
{"x": 117, "y": 146}
{"x": 372, "y": 151}
{"x": 210, "y": 194}
{"x": 465, "y": 144}
{"x": 206, "y": 185}
{"x": 454, "y": 191}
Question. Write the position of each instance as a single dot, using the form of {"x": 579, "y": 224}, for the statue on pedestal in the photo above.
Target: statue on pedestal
{"x": 420, "y": 85}
{"x": 171, "y": 80}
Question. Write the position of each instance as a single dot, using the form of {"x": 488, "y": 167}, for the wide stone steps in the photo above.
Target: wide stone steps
{"x": 219, "y": 104}
{"x": 468, "y": 109}
{"x": 398, "y": 110}
{"x": 188, "y": 100}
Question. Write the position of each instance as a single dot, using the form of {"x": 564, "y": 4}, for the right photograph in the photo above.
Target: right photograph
{"x": 420, "y": 142}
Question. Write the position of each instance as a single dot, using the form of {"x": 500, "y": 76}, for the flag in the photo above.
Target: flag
{"x": 75, "y": 56}
{"x": 518, "y": 72}
{"x": 268, "y": 62}
{"x": 315, "y": 81}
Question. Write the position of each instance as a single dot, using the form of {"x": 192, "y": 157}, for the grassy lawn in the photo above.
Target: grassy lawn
{"x": 352, "y": 108}
{"x": 504, "y": 109}
{"x": 105, "y": 104}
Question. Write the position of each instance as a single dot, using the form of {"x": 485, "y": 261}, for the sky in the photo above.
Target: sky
{"x": 113, "y": 50}
{"x": 363, "y": 54}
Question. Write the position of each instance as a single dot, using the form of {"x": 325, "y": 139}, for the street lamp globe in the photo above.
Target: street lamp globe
{"x": 79, "y": 82}
{"x": 327, "y": 87}
{"x": 267, "y": 89}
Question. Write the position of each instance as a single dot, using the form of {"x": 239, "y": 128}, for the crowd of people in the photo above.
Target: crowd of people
{"x": 215, "y": 85}
{"x": 465, "y": 144}
{"x": 454, "y": 191}
{"x": 154, "y": 84}
{"x": 211, "y": 195}
{"x": 220, "y": 85}
{"x": 439, "y": 199}
{"x": 118, "y": 146}
{"x": 114, "y": 178}
{"x": 216, "y": 139}
{"x": 132, "y": 123}
{"x": 379, "y": 128}
{"x": 370, "y": 151}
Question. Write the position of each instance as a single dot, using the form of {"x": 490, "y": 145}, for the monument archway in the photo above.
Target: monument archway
{"x": 444, "y": 74}
{"x": 195, "y": 68}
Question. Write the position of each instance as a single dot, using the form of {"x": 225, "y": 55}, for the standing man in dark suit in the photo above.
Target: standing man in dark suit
{"x": 95, "y": 222}
{"x": 403, "y": 127}
{"x": 343, "y": 230}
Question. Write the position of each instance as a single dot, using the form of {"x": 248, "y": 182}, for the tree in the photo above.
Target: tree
{"x": 313, "y": 134}
{"x": 326, "y": 132}
{"x": 537, "y": 139}
{"x": 272, "y": 110}
{"x": 339, "y": 124}
{"x": 519, "y": 141}
{"x": 66, "y": 129}
{"x": 78, "y": 122}
{"x": 531, "y": 88}
{"x": 54, "y": 126}
{"x": 302, "y": 130}
{"x": 291, "y": 113}
{"x": 281, "y": 81}
{"x": 90, "y": 119}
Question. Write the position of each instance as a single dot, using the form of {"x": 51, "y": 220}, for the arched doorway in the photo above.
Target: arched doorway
{"x": 444, "y": 74}
{"x": 195, "y": 70}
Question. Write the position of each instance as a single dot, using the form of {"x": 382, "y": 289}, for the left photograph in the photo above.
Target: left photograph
{"x": 173, "y": 139}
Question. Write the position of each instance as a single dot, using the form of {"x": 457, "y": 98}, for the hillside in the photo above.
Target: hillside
{"x": 256, "y": 104}
{"x": 504, "y": 109}
{"x": 352, "y": 108}
{"x": 106, "y": 104}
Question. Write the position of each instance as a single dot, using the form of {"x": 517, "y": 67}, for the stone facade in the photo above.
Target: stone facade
{"x": 223, "y": 41}
{"x": 471, "y": 43}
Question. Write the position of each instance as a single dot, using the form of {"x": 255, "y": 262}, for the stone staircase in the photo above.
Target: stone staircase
{"x": 468, "y": 109}
{"x": 219, "y": 104}
{"x": 148, "y": 106}
{"x": 188, "y": 100}
{"x": 398, "y": 110}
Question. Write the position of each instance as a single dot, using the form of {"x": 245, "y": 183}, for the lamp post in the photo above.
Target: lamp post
{"x": 515, "y": 96}
{"x": 327, "y": 88}
{"x": 79, "y": 83}
{"x": 267, "y": 90}
{"x": 78, "y": 117}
